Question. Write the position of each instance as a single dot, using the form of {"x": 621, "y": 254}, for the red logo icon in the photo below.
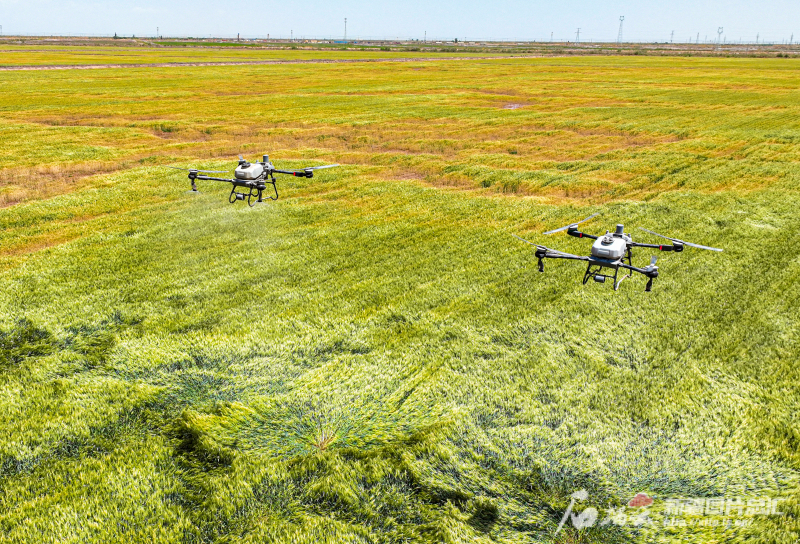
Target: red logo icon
{"x": 640, "y": 500}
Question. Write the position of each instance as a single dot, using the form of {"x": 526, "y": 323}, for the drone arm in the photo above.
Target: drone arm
{"x": 578, "y": 234}
{"x": 644, "y": 271}
{"x": 296, "y": 173}
{"x": 252, "y": 185}
{"x": 209, "y": 178}
{"x": 234, "y": 182}
{"x": 677, "y": 248}
{"x": 650, "y": 271}
{"x": 554, "y": 255}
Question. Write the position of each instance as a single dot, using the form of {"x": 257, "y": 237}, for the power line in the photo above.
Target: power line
{"x": 619, "y": 36}
{"x": 578, "y": 36}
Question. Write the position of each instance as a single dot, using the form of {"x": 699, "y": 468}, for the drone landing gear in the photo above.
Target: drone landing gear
{"x": 192, "y": 177}
{"x": 254, "y": 196}
{"x": 626, "y": 276}
{"x": 274, "y": 188}
{"x": 251, "y": 197}
{"x": 595, "y": 272}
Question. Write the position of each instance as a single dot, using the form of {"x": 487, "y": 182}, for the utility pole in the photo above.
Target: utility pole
{"x": 672, "y": 37}
{"x": 345, "y": 29}
{"x": 426, "y": 36}
{"x": 619, "y": 36}
{"x": 791, "y": 39}
{"x": 157, "y": 32}
{"x": 698, "y": 38}
{"x": 551, "y": 37}
{"x": 578, "y": 36}
{"x": 757, "y": 36}
{"x": 719, "y": 37}
{"x": 291, "y": 35}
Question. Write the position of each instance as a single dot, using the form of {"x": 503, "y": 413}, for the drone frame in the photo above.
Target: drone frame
{"x": 651, "y": 271}
{"x": 596, "y": 265}
{"x": 255, "y": 187}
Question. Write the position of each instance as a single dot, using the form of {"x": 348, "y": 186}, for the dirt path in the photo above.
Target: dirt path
{"x": 249, "y": 63}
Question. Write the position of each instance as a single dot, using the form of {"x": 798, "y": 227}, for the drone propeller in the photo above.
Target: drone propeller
{"x": 528, "y": 242}
{"x": 311, "y": 168}
{"x": 653, "y": 260}
{"x": 195, "y": 170}
{"x": 681, "y": 241}
{"x": 571, "y": 224}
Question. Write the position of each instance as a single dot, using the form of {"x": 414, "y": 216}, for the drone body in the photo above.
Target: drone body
{"x": 610, "y": 253}
{"x": 252, "y": 177}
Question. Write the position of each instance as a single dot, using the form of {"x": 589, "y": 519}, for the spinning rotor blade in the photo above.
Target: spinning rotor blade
{"x": 653, "y": 260}
{"x": 319, "y": 167}
{"x": 681, "y": 241}
{"x": 527, "y": 242}
{"x": 702, "y": 247}
{"x": 568, "y": 226}
{"x": 659, "y": 235}
{"x": 196, "y": 170}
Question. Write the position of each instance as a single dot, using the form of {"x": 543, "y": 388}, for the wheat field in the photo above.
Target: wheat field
{"x": 373, "y": 358}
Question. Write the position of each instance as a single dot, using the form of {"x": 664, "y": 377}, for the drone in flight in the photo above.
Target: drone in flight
{"x": 611, "y": 251}
{"x": 250, "y": 177}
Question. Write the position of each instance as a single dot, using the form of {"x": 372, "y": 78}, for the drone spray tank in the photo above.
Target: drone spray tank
{"x": 248, "y": 171}
{"x": 611, "y": 246}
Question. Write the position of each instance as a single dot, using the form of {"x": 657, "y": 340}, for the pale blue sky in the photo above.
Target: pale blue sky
{"x": 645, "y": 20}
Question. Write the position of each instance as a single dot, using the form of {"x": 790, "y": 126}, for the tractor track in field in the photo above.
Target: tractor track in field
{"x": 248, "y": 63}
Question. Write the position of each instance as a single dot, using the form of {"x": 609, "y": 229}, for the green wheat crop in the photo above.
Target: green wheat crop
{"x": 374, "y": 358}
